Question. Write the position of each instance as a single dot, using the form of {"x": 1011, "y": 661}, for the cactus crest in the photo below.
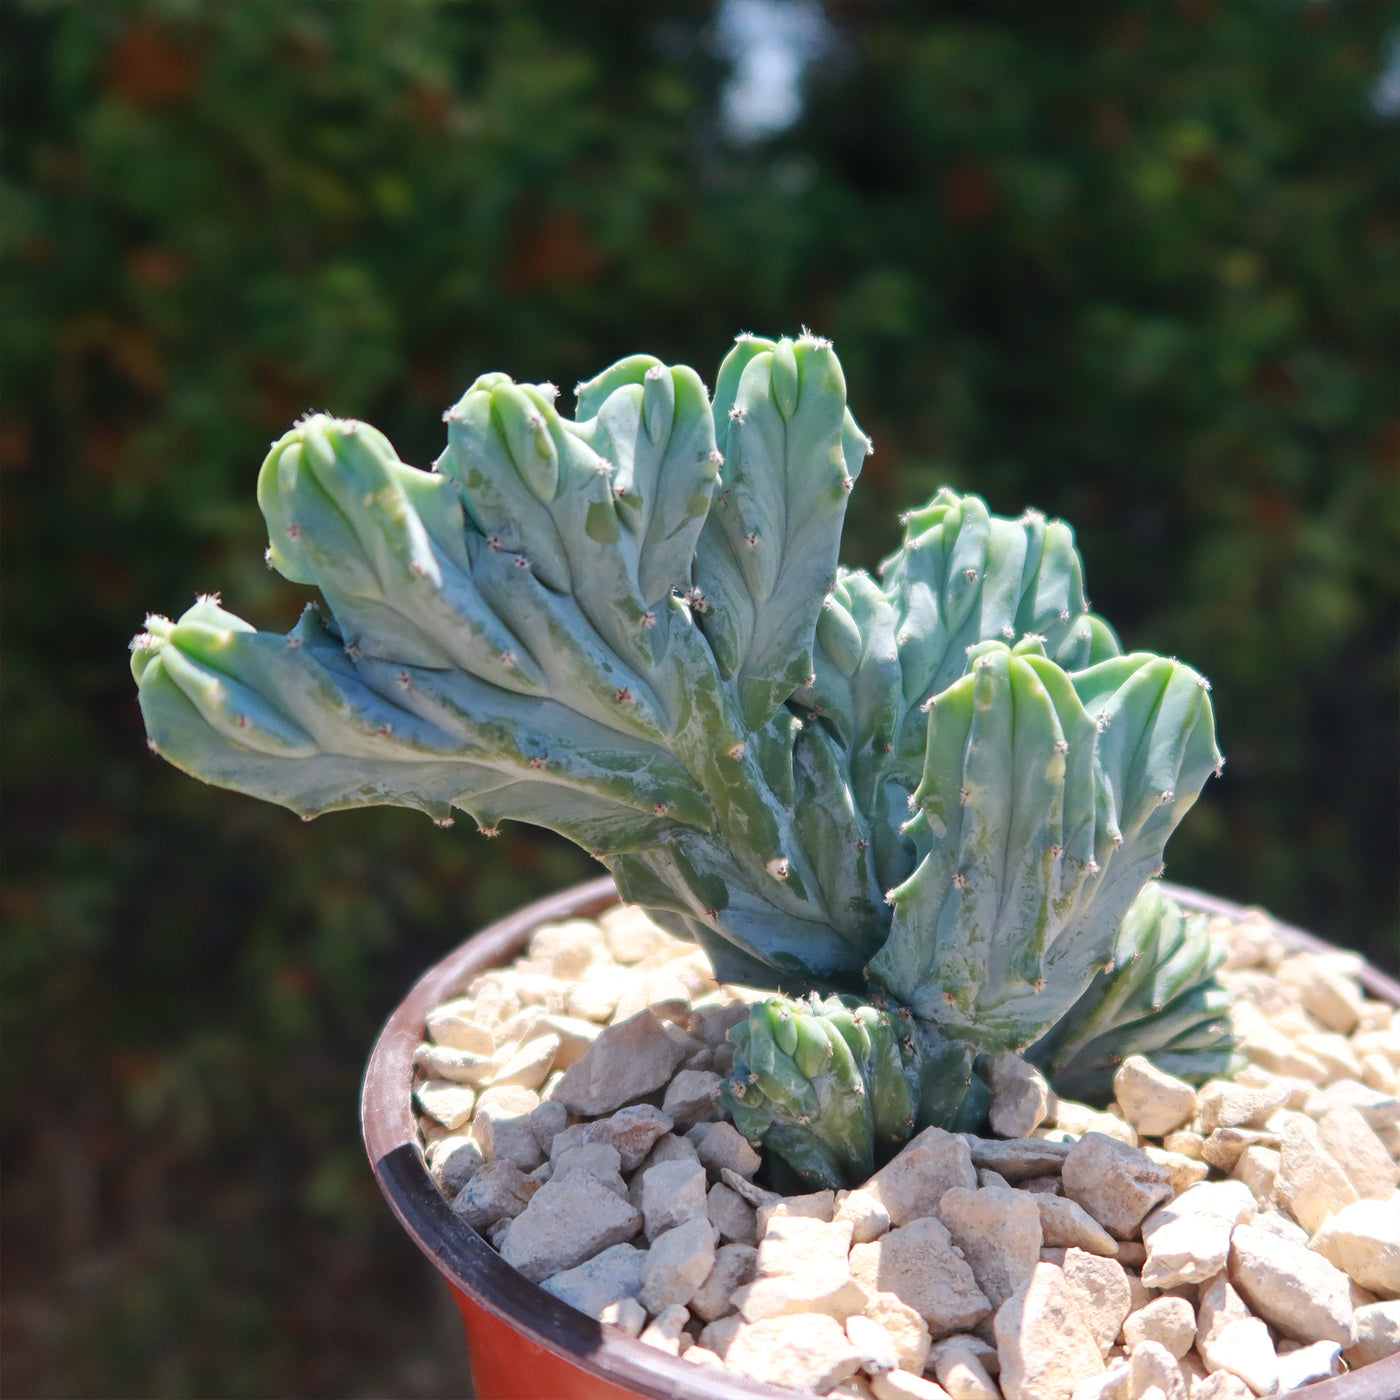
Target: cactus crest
{"x": 938, "y": 792}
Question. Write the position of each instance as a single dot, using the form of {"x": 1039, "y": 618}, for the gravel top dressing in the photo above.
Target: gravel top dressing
{"x": 1190, "y": 1244}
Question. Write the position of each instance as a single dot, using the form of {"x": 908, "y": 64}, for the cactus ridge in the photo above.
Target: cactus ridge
{"x": 1045, "y": 803}
{"x": 830, "y": 1084}
{"x": 941, "y": 789}
{"x": 1159, "y": 998}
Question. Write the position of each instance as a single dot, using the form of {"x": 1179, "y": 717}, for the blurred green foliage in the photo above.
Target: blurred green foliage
{"x": 1133, "y": 264}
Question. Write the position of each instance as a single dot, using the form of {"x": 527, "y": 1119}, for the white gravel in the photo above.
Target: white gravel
{"x": 1198, "y": 1244}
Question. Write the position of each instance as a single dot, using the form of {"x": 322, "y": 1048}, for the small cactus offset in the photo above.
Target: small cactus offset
{"x": 933, "y": 799}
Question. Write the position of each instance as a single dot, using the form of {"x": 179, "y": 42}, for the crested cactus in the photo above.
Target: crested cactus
{"x": 1159, "y": 999}
{"x": 938, "y": 793}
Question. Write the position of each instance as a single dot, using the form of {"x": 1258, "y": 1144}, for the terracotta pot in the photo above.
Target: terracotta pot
{"x": 527, "y": 1345}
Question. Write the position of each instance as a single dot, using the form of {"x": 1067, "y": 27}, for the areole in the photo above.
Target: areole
{"x": 527, "y": 1345}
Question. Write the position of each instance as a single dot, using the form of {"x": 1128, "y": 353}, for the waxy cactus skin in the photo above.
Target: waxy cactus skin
{"x": 1159, "y": 999}
{"x": 939, "y": 792}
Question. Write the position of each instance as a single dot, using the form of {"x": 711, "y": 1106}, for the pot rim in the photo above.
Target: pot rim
{"x": 474, "y": 1268}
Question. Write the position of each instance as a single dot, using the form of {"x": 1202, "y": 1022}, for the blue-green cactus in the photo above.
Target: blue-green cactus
{"x": 940, "y": 791}
{"x": 1159, "y": 998}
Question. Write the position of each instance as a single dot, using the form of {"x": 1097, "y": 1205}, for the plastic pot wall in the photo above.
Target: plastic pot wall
{"x": 524, "y": 1343}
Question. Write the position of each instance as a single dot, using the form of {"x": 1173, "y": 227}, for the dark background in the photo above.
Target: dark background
{"x": 1132, "y": 263}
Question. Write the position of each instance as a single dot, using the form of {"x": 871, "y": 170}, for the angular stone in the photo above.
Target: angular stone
{"x": 1224, "y": 1104}
{"x": 1379, "y": 1109}
{"x": 573, "y": 1034}
{"x": 1079, "y": 1119}
{"x": 1277, "y": 1223}
{"x": 1304, "y": 1365}
{"x": 503, "y": 1128}
{"x": 1244, "y": 1348}
{"x": 448, "y": 1103}
{"x": 1377, "y": 1333}
{"x": 527, "y": 1065}
{"x": 1184, "y": 1143}
{"x": 1018, "y": 1159}
{"x": 756, "y": 1196}
{"x": 1116, "y": 1383}
{"x": 998, "y": 1231}
{"x": 567, "y": 1221}
{"x": 1225, "y": 1146}
{"x": 628, "y": 1060}
{"x": 866, "y": 1212}
{"x": 594, "y": 997}
{"x": 876, "y": 1346}
{"x": 716, "y": 1336}
{"x": 1310, "y": 1184}
{"x": 703, "y": 1356}
{"x": 1334, "y": 1053}
{"x": 1352, "y": 1143}
{"x": 904, "y": 1385}
{"x": 906, "y": 1329}
{"x": 1291, "y": 1287}
{"x": 1020, "y": 1096}
{"x": 666, "y": 1148}
{"x": 454, "y": 1026}
{"x": 1170, "y": 1321}
{"x": 1184, "y": 1171}
{"x": 547, "y": 1122}
{"x": 497, "y": 1191}
{"x": 1101, "y": 1291}
{"x": 568, "y": 948}
{"x": 1377, "y": 1072}
{"x": 731, "y": 1215}
{"x": 1154, "y": 1367}
{"x": 672, "y": 1193}
{"x": 1115, "y": 1183}
{"x": 677, "y": 1263}
{"x": 721, "y": 1147}
{"x": 690, "y": 1096}
{"x": 1153, "y": 1102}
{"x": 827, "y": 1288}
{"x": 1258, "y": 1169}
{"x": 666, "y": 1332}
{"x": 817, "y": 1205}
{"x": 1268, "y": 1047}
{"x": 1220, "y": 1385}
{"x": 959, "y": 1364}
{"x": 732, "y": 1269}
{"x": 607, "y": 1278}
{"x": 910, "y": 1186}
{"x": 795, "y": 1244}
{"x": 628, "y": 1316}
{"x": 1045, "y": 1347}
{"x": 805, "y": 1352}
{"x": 1188, "y": 1239}
{"x": 1322, "y": 991}
{"x": 596, "y": 1158}
{"x": 1256, "y": 1076}
{"x": 1363, "y": 1241}
{"x": 458, "y": 1066}
{"x": 1065, "y": 1224}
{"x": 452, "y": 1162}
{"x": 917, "y": 1263}
{"x": 630, "y": 935}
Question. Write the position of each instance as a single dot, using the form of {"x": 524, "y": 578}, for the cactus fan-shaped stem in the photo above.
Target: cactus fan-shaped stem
{"x": 942, "y": 790}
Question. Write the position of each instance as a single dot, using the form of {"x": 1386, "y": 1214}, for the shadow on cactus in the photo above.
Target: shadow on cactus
{"x": 932, "y": 804}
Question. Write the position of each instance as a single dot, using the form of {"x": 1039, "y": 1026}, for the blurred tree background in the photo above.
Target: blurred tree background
{"x": 1131, "y": 263}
